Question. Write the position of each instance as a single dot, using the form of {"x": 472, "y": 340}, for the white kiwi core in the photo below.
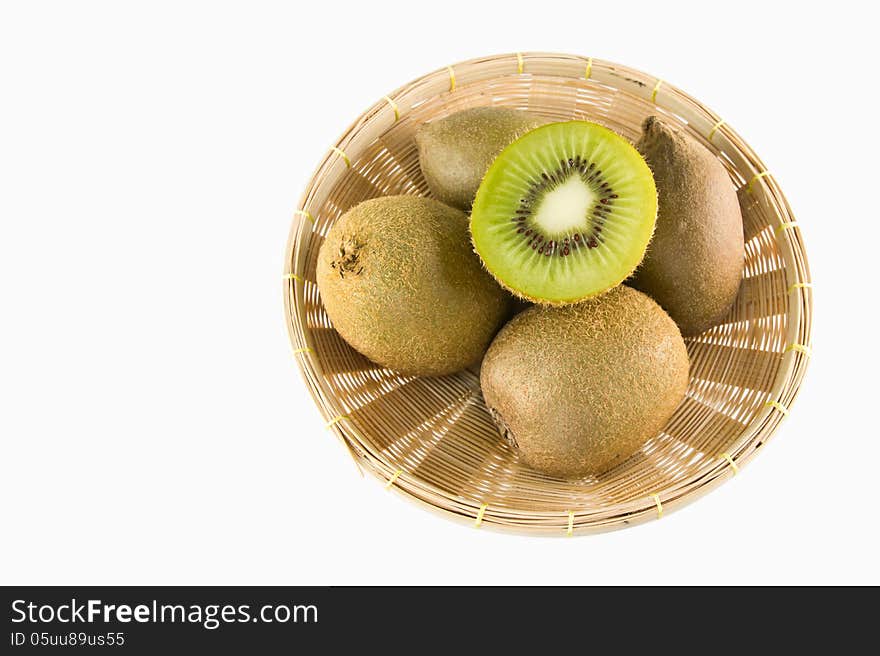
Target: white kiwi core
{"x": 565, "y": 208}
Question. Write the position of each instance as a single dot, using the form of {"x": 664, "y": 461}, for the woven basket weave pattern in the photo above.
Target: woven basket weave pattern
{"x": 432, "y": 438}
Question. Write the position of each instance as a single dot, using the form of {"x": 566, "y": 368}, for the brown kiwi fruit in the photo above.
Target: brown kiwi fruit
{"x": 401, "y": 285}
{"x": 580, "y": 388}
{"x": 456, "y": 151}
{"x": 694, "y": 264}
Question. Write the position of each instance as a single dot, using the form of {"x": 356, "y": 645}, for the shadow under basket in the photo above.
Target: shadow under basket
{"x": 432, "y": 439}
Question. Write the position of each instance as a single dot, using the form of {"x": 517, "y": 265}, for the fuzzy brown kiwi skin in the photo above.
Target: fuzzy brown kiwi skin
{"x": 694, "y": 264}
{"x": 401, "y": 285}
{"x": 456, "y": 151}
{"x": 579, "y": 389}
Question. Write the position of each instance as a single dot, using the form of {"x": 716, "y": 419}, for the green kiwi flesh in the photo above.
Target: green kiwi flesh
{"x": 564, "y": 213}
{"x": 580, "y": 388}
{"x": 456, "y": 151}
{"x": 694, "y": 265}
{"x": 401, "y": 284}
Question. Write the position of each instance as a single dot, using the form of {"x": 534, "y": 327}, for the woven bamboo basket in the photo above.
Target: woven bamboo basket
{"x": 432, "y": 439}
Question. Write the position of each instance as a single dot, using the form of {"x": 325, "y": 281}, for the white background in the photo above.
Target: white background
{"x": 154, "y": 425}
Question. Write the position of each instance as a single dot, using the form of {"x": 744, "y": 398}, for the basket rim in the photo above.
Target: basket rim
{"x": 621, "y": 79}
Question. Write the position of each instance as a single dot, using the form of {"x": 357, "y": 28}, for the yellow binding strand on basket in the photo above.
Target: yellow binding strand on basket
{"x": 292, "y": 276}
{"x": 589, "y": 72}
{"x": 336, "y": 420}
{"x": 394, "y": 107}
{"x": 786, "y": 226}
{"x": 393, "y": 478}
{"x": 305, "y": 349}
{"x": 733, "y": 466}
{"x": 451, "y": 78}
{"x": 800, "y": 348}
{"x": 755, "y": 178}
{"x": 480, "y": 513}
{"x": 656, "y": 89}
{"x": 777, "y": 405}
{"x": 715, "y": 129}
{"x": 519, "y": 63}
{"x": 306, "y": 214}
{"x": 656, "y": 498}
{"x": 342, "y": 154}
{"x": 570, "y": 523}
{"x": 800, "y": 285}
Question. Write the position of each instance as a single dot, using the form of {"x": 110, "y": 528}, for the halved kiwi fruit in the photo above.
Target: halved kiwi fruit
{"x": 564, "y": 213}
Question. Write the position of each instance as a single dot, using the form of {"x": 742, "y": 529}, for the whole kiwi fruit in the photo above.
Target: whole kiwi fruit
{"x": 401, "y": 285}
{"x": 456, "y": 151}
{"x": 580, "y": 388}
{"x": 694, "y": 264}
